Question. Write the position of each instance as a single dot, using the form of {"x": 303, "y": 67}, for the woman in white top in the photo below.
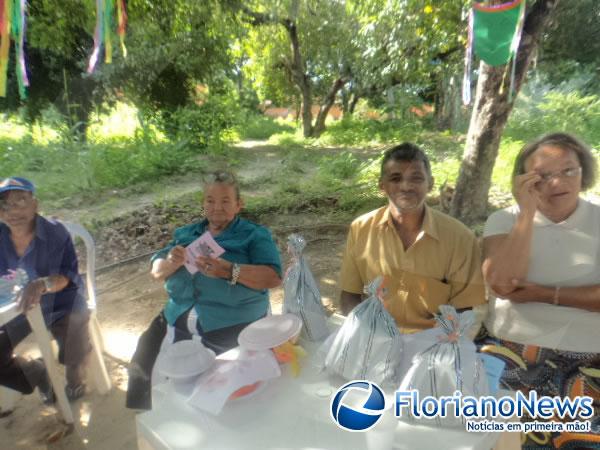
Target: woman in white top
{"x": 542, "y": 263}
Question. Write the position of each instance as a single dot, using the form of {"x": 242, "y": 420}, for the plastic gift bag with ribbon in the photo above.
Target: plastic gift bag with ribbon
{"x": 301, "y": 293}
{"x": 11, "y": 285}
{"x": 451, "y": 364}
{"x": 368, "y": 345}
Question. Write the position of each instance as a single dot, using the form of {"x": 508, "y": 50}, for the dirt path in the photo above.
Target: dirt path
{"x": 129, "y": 299}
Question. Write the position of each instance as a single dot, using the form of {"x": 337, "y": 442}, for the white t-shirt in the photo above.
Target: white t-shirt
{"x": 562, "y": 254}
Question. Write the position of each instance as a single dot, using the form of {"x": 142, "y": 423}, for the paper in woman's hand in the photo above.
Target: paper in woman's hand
{"x": 205, "y": 245}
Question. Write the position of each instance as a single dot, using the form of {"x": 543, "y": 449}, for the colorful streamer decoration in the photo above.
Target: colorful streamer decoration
{"x": 12, "y": 26}
{"x": 105, "y": 24}
{"x": 494, "y": 34}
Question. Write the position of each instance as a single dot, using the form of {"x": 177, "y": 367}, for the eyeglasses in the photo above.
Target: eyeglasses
{"x": 220, "y": 176}
{"x": 18, "y": 203}
{"x": 571, "y": 172}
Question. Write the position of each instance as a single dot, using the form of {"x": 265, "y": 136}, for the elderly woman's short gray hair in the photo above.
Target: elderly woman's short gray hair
{"x": 566, "y": 141}
{"x": 223, "y": 177}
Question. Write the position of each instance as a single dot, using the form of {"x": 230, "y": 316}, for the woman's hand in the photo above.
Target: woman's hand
{"x": 526, "y": 193}
{"x": 526, "y": 292}
{"x": 214, "y": 267}
{"x": 163, "y": 268}
{"x": 176, "y": 256}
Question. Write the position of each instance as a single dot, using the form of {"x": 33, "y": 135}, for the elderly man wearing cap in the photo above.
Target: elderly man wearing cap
{"x": 43, "y": 248}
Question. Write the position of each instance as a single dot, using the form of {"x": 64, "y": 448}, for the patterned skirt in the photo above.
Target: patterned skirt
{"x": 550, "y": 373}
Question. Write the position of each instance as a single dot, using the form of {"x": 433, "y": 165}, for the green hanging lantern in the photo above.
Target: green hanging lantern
{"x": 495, "y": 29}
{"x": 494, "y": 35}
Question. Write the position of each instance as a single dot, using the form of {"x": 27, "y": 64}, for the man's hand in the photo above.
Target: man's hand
{"x": 214, "y": 267}
{"x": 176, "y": 256}
{"x": 525, "y": 191}
{"x": 32, "y": 294}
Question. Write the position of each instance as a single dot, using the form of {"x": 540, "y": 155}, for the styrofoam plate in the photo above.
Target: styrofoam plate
{"x": 185, "y": 359}
{"x": 270, "y": 331}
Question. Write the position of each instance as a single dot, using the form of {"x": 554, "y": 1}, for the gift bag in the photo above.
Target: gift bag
{"x": 368, "y": 345}
{"x": 451, "y": 364}
{"x": 301, "y": 293}
{"x": 11, "y": 285}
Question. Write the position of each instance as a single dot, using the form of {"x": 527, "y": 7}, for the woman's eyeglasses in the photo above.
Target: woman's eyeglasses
{"x": 571, "y": 172}
{"x": 220, "y": 177}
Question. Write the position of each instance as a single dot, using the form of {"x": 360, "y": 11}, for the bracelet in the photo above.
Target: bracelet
{"x": 556, "y": 292}
{"x": 235, "y": 274}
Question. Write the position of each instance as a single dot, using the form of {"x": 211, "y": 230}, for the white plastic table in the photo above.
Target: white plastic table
{"x": 288, "y": 413}
{"x": 42, "y": 337}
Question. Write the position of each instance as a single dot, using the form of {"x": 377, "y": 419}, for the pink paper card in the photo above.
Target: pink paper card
{"x": 205, "y": 245}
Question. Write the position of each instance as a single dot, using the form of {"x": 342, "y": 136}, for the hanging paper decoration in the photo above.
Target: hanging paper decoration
{"x": 18, "y": 31}
{"x": 5, "y": 15}
{"x": 494, "y": 35}
{"x": 105, "y": 12}
{"x": 122, "y": 24}
{"x": 12, "y": 26}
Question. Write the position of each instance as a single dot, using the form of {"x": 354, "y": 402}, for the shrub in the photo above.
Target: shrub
{"x": 258, "y": 127}
{"x": 572, "y": 112}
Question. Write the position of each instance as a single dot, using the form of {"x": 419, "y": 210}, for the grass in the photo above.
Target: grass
{"x": 256, "y": 127}
{"x": 118, "y": 154}
{"x": 338, "y": 171}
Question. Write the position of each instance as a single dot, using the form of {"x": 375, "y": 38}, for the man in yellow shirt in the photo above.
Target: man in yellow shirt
{"x": 427, "y": 258}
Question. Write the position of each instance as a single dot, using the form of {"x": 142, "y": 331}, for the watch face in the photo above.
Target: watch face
{"x": 48, "y": 284}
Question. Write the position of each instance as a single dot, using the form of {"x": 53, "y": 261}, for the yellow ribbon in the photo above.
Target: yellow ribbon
{"x": 290, "y": 353}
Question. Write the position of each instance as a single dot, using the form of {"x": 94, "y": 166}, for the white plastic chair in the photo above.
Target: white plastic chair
{"x": 102, "y": 382}
{"x": 97, "y": 366}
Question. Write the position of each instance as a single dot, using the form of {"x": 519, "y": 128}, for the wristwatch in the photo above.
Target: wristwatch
{"x": 48, "y": 284}
{"x": 235, "y": 274}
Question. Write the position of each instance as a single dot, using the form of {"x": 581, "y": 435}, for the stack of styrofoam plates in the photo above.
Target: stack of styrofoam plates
{"x": 270, "y": 331}
{"x": 186, "y": 359}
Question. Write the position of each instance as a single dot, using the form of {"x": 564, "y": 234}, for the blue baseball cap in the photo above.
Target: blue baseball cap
{"x": 16, "y": 184}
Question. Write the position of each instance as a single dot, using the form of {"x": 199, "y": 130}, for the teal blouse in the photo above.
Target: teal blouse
{"x": 217, "y": 303}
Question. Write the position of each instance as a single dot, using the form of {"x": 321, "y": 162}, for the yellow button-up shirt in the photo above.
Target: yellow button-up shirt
{"x": 443, "y": 266}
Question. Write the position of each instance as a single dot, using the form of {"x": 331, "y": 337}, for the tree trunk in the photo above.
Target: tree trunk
{"x": 353, "y": 102}
{"x": 300, "y": 78}
{"x": 345, "y": 101}
{"x": 490, "y": 114}
{"x": 326, "y": 106}
{"x": 447, "y": 102}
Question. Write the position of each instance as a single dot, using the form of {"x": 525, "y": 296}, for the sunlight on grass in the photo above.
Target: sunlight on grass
{"x": 13, "y": 130}
{"x": 120, "y": 123}
{"x": 44, "y": 134}
{"x": 501, "y": 177}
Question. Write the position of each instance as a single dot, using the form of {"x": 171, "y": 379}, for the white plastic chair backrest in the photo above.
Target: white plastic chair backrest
{"x": 77, "y": 230}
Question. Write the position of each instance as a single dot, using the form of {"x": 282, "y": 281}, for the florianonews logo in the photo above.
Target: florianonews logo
{"x": 363, "y": 406}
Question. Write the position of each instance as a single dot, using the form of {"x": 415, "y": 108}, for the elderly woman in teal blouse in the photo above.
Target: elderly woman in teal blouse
{"x": 223, "y": 297}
